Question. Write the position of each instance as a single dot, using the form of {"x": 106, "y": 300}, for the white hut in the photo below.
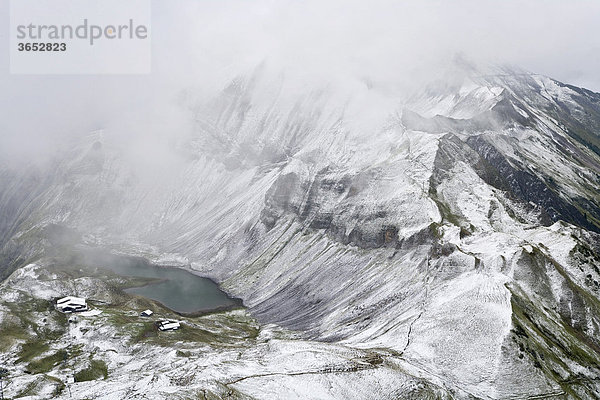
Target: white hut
{"x": 146, "y": 313}
{"x": 168, "y": 325}
{"x": 71, "y": 304}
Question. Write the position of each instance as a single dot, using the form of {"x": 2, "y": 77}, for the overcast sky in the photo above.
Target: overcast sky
{"x": 199, "y": 45}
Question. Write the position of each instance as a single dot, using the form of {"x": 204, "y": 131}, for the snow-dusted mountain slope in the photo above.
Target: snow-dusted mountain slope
{"x": 457, "y": 228}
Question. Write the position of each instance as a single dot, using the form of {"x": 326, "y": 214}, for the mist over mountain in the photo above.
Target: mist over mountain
{"x": 404, "y": 196}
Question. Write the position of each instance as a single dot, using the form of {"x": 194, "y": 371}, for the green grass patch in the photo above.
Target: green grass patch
{"x": 32, "y": 304}
{"x": 96, "y": 370}
{"x": 144, "y": 331}
{"x": 31, "y": 349}
{"x": 9, "y": 334}
{"x": 189, "y": 334}
{"x": 47, "y": 334}
{"x": 47, "y": 363}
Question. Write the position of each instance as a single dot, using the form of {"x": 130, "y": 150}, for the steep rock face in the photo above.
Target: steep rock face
{"x": 456, "y": 227}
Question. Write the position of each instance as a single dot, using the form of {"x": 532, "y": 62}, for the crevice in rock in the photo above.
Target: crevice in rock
{"x": 425, "y": 297}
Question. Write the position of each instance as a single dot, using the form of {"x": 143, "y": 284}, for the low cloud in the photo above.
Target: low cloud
{"x": 198, "y": 46}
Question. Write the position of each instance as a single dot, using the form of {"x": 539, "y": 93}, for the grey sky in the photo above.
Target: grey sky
{"x": 200, "y": 45}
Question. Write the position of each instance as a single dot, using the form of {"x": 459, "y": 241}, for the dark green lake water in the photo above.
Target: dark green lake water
{"x": 179, "y": 290}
